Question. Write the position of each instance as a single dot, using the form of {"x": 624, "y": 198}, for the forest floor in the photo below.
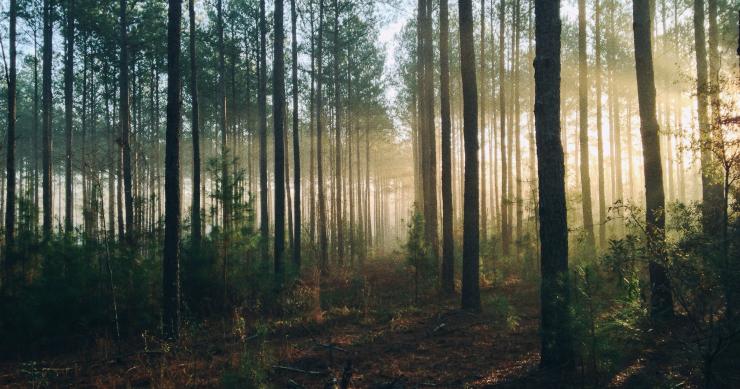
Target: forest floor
{"x": 384, "y": 342}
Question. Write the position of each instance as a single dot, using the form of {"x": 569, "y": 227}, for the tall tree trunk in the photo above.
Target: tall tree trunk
{"x": 311, "y": 153}
{"x": 10, "y": 204}
{"x": 517, "y": 128}
{"x": 711, "y": 189}
{"x": 483, "y": 105}
{"x": 278, "y": 115}
{"x": 262, "y": 107}
{"x": 661, "y": 301}
{"x": 448, "y": 244}
{"x": 338, "y": 142}
{"x": 599, "y": 129}
{"x": 471, "y": 242}
{"x": 124, "y": 120}
{"x": 583, "y": 87}
{"x": 35, "y": 128}
{"x": 195, "y": 129}
{"x": 426, "y": 129}
{"x": 323, "y": 238}
{"x": 296, "y": 143}
{"x": 46, "y": 120}
{"x": 505, "y": 227}
{"x": 557, "y": 342}
{"x": 226, "y": 189}
{"x": 171, "y": 262}
{"x": 69, "y": 34}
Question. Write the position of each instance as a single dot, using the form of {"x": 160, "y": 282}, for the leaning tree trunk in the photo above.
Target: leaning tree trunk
{"x": 471, "y": 237}
{"x": 557, "y": 342}
{"x": 661, "y": 301}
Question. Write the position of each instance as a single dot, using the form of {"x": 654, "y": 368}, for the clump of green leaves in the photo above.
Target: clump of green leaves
{"x": 254, "y": 364}
{"x": 418, "y": 253}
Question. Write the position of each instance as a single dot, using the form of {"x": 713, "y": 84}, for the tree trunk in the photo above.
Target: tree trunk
{"x": 661, "y": 301}
{"x": 195, "y": 129}
{"x": 296, "y": 143}
{"x": 448, "y": 244}
{"x": 10, "y": 188}
{"x": 262, "y": 107}
{"x": 426, "y": 127}
{"x": 517, "y": 129}
{"x": 323, "y": 238}
{"x": 69, "y": 33}
{"x": 505, "y": 228}
{"x": 557, "y": 343}
{"x": 171, "y": 262}
{"x": 124, "y": 117}
{"x": 711, "y": 188}
{"x": 278, "y": 115}
{"x": 599, "y": 130}
{"x": 338, "y": 144}
{"x": 471, "y": 243}
{"x": 583, "y": 87}
{"x": 46, "y": 120}
{"x": 226, "y": 189}
{"x": 483, "y": 105}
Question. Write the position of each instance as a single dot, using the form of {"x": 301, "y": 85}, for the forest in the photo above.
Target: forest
{"x": 376, "y": 194}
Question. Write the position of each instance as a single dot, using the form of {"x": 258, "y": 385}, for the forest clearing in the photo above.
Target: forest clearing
{"x": 370, "y": 194}
{"x": 387, "y": 340}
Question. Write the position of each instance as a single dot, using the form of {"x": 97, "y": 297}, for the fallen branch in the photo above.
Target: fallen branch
{"x": 331, "y": 346}
{"x": 293, "y": 384}
{"x": 297, "y": 370}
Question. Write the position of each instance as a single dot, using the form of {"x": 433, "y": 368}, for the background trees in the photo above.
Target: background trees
{"x": 363, "y": 114}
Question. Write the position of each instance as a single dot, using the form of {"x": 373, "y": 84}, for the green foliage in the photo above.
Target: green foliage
{"x": 418, "y": 254}
{"x": 503, "y": 311}
{"x": 254, "y": 365}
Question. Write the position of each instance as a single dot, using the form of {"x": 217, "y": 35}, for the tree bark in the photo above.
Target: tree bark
{"x": 171, "y": 262}
{"x": 278, "y": 115}
{"x": 323, "y": 238}
{"x": 471, "y": 238}
{"x": 195, "y": 129}
{"x": 10, "y": 161}
{"x": 711, "y": 188}
{"x": 599, "y": 129}
{"x": 557, "y": 343}
{"x": 262, "y": 107}
{"x": 588, "y": 220}
{"x": 69, "y": 33}
{"x": 505, "y": 227}
{"x": 124, "y": 120}
{"x": 448, "y": 244}
{"x": 296, "y": 143}
{"x": 46, "y": 121}
{"x": 661, "y": 301}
